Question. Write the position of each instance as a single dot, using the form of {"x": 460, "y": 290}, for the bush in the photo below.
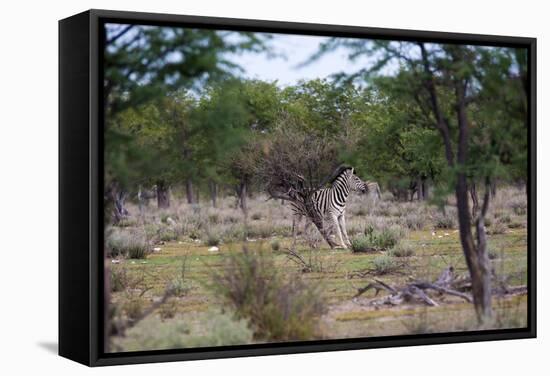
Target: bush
{"x": 497, "y": 228}
{"x": 126, "y": 243}
{"x": 361, "y": 244}
{"x": 259, "y": 230}
{"x": 275, "y": 245}
{"x": 519, "y": 206}
{"x": 402, "y": 249}
{"x": 212, "y": 239}
{"x": 214, "y": 218}
{"x": 256, "y": 216}
{"x": 168, "y": 234}
{"x": 414, "y": 221}
{"x": 445, "y": 220}
{"x": 389, "y": 237}
{"x": 154, "y": 334}
{"x": 119, "y": 278}
{"x": 384, "y": 264}
{"x": 278, "y": 308}
{"x": 234, "y": 233}
{"x": 133, "y": 307}
{"x": 376, "y": 240}
{"x": 168, "y": 309}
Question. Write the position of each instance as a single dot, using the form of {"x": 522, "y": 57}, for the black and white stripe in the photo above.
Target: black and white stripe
{"x": 330, "y": 204}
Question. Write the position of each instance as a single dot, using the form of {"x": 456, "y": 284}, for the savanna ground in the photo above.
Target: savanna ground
{"x": 170, "y": 288}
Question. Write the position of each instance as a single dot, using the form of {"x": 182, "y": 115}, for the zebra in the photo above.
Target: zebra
{"x": 331, "y": 203}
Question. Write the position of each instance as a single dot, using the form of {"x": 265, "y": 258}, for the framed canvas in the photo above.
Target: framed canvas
{"x": 234, "y": 187}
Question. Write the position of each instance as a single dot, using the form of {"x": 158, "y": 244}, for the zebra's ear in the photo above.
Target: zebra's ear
{"x": 352, "y": 171}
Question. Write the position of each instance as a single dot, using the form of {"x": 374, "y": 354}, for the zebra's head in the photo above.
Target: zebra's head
{"x": 355, "y": 183}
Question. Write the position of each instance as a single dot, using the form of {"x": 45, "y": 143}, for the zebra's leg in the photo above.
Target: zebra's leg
{"x": 342, "y": 223}
{"x": 338, "y": 232}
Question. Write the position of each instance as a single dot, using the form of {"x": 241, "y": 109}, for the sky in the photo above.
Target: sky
{"x": 297, "y": 49}
{"x": 287, "y": 67}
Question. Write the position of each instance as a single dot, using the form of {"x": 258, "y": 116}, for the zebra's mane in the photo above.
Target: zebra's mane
{"x": 339, "y": 171}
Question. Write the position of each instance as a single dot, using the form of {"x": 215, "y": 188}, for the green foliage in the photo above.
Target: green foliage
{"x": 126, "y": 243}
{"x": 377, "y": 240}
{"x": 279, "y": 308}
{"x": 275, "y": 245}
{"x": 384, "y": 264}
{"x": 361, "y": 244}
{"x": 155, "y": 334}
{"x": 402, "y": 249}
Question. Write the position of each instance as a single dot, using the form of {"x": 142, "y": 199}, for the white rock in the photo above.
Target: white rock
{"x": 440, "y": 236}
{"x": 157, "y": 249}
{"x": 170, "y": 221}
{"x": 446, "y": 234}
{"x": 213, "y": 249}
{"x": 114, "y": 261}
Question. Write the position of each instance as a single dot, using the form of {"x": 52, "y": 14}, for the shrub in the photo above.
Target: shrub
{"x": 518, "y": 205}
{"x": 168, "y": 309}
{"x": 275, "y": 245}
{"x": 119, "y": 278}
{"x": 168, "y": 234}
{"x": 414, "y": 221}
{"x": 402, "y": 249}
{"x": 180, "y": 286}
{"x": 497, "y": 228}
{"x": 505, "y": 218}
{"x": 214, "y": 218}
{"x": 256, "y": 216}
{"x": 384, "y": 264}
{"x": 234, "y": 233}
{"x": 126, "y": 243}
{"x": 361, "y": 244}
{"x": 361, "y": 211}
{"x": 516, "y": 223}
{"x": 378, "y": 239}
{"x": 492, "y": 254}
{"x": 259, "y": 230}
{"x": 277, "y": 307}
{"x": 212, "y": 239}
{"x": 133, "y": 307}
{"x": 445, "y": 220}
{"x": 389, "y": 237}
{"x": 154, "y": 334}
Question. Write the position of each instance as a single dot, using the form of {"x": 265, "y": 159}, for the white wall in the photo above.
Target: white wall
{"x": 28, "y": 147}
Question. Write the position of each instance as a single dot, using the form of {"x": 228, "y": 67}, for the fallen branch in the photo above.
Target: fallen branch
{"x": 447, "y": 284}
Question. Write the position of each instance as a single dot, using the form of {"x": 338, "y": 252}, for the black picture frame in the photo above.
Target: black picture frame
{"x": 81, "y": 194}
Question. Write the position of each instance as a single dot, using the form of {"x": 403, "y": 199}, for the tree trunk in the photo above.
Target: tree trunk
{"x": 213, "y": 193}
{"x": 420, "y": 189}
{"x": 475, "y": 201}
{"x": 163, "y": 195}
{"x": 243, "y": 198}
{"x": 189, "y": 191}
{"x": 425, "y": 189}
{"x": 476, "y": 256}
{"x": 116, "y": 199}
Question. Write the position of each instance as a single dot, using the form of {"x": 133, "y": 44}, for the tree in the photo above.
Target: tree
{"x": 233, "y": 113}
{"x": 143, "y": 64}
{"x": 448, "y": 83}
{"x": 162, "y": 132}
{"x": 292, "y": 165}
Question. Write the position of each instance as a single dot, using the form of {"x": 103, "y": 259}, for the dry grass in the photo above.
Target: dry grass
{"x": 426, "y": 240}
